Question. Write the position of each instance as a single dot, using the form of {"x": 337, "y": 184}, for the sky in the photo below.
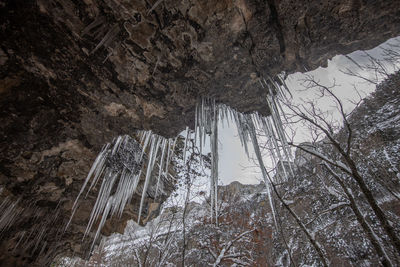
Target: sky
{"x": 233, "y": 162}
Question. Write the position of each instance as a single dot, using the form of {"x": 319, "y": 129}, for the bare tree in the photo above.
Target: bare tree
{"x": 233, "y": 239}
{"x": 317, "y": 247}
{"x": 342, "y": 144}
{"x": 360, "y": 218}
{"x": 224, "y": 252}
{"x": 190, "y": 174}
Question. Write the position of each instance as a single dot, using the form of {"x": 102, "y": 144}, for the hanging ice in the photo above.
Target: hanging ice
{"x": 206, "y": 123}
{"x": 208, "y": 113}
{"x": 214, "y": 162}
{"x": 119, "y": 167}
{"x": 9, "y": 211}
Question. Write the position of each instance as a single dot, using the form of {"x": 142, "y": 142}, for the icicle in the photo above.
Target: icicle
{"x": 201, "y": 130}
{"x": 146, "y": 141}
{"x": 152, "y": 157}
{"x": 116, "y": 145}
{"x": 164, "y": 146}
{"x": 170, "y": 156}
{"x": 205, "y": 120}
{"x": 274, "y": 107}
{"x": 184, "y": 148}
{"x": 214, "y": 163}
{"x": 103, "y": 218}
{"x": 101, "y": 202}
{"x": 96, "y": 167}
{"x": 267, "y": 179}
{"x": 99, "y": 169}
{"x": 195, "y": 123}
{"x": 9, "y": 211}
{"x": 133, "y": 187}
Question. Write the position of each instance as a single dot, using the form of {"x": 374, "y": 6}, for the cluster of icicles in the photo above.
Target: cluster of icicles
{"x": 208, "y": 113}
{"x": 120, "y": 164}
{"x": 36, "y": 239}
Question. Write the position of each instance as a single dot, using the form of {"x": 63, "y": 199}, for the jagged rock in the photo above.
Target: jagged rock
{"x": 73, "y": 75}
{"x": 301, "y": 156}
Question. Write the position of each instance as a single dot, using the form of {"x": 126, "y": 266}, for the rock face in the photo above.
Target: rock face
{"x": 75, "y": 74}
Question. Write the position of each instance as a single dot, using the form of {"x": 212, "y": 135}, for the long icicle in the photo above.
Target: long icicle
{"x": 214, "y": 163}
{"x": 161, "y": 164}
{"x": 153, "y": 154}
{"x": 253, "y": 137}
{"x": 185, "y": 146}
